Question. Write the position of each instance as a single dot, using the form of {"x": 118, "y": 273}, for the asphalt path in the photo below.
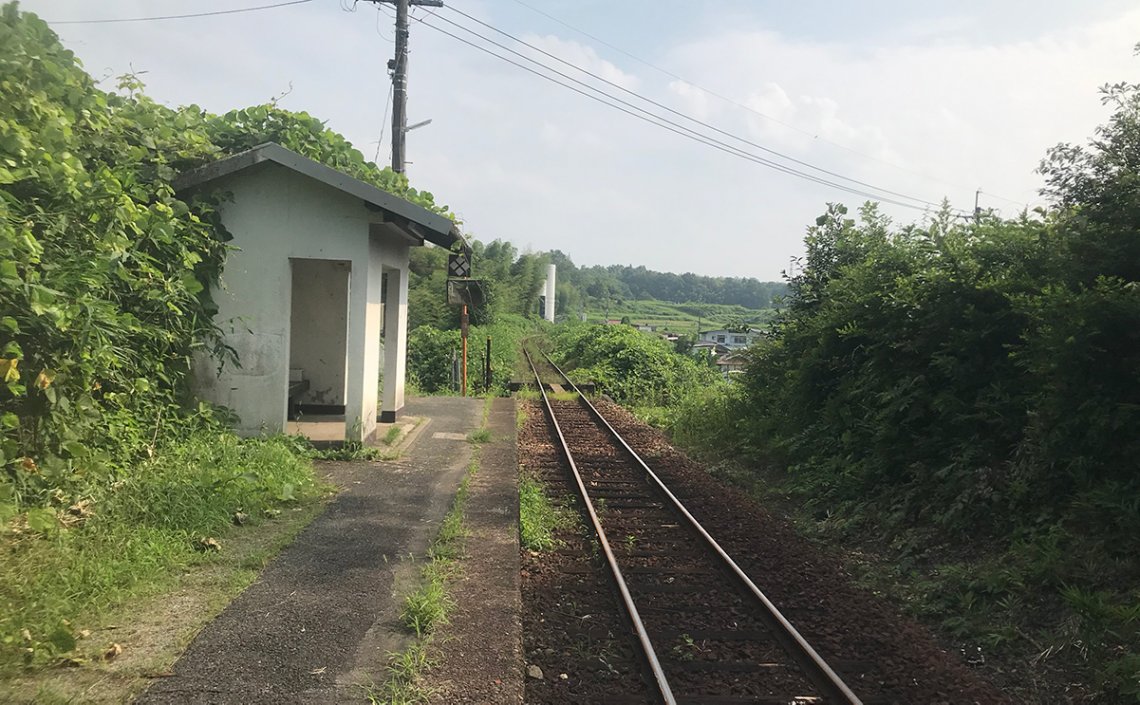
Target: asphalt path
{"x": 317, "y": 625}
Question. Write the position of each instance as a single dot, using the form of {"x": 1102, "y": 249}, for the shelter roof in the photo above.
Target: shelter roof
{"x": 416, "y": 221}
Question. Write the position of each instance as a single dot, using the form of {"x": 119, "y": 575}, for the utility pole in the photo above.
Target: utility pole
{"x": 398, "y": 66}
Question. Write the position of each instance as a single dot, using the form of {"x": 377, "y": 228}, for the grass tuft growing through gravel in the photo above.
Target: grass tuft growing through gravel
{"x": 479, "y": 435}
{"x": 539, "y": 518}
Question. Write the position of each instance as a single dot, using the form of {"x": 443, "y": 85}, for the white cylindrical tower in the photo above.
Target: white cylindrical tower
{"x": 548, "y": 314}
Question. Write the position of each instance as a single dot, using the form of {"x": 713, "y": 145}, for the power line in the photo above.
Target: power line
{"x": 383, "y": 124}
{"x": 657, "y": 120}
{"x": 182, "y": 17}
{"x": 689, "y": 117}
{"x": 663, "y": 122}
{"x": 743, "y": 106}
{"x": 379, "y": 14}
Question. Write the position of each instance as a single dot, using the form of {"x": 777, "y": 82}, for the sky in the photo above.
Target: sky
{"x": 925, "y": 100}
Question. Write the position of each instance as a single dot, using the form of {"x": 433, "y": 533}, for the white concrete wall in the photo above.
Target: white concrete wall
{"x": 275, "y": 215}
{"x": 319, "y": 328}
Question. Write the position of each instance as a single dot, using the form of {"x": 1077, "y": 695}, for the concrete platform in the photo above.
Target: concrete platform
{"x": 480, "y": 660}
{"x": 329, "y": 429}
{"x": 319, "y": 622}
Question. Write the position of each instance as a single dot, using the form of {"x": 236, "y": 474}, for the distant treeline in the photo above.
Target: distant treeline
{"x": 617, "y": 282}
{"x": 513, "y": 282}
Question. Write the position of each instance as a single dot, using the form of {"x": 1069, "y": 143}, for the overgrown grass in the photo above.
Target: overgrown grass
{"x": 65, "y": 567}
{"x": 539, "y": 518}
{"x": 347, "y": 451}
{"x": 427, "y": 607}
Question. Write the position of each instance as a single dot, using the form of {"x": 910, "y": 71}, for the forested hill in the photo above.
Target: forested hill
{"x": 627, "y": 282}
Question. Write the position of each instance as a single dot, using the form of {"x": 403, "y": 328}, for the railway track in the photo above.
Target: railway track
{"x": 706, "y": 633}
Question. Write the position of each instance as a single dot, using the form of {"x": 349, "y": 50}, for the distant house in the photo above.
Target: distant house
{"x": 710, "y": 348}
{"x": 613, "y": 321}
{"x": 317, "y": 276}
{"x": 731, "y": 339}
{"x": 646, "y": 328}
{"x": 731, "y": 364}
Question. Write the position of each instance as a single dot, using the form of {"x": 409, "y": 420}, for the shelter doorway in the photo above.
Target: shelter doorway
{"x": 318, "y": 345}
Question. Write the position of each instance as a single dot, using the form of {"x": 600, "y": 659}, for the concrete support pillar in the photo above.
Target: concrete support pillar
{"x": 395, "y": 341}
{"x": 359, "y": 421}
{"x": 374, "y": 325}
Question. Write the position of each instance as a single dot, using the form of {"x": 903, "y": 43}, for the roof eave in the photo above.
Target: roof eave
{"x": 421, "y": 223}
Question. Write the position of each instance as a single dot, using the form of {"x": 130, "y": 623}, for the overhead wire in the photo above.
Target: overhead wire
{"x": 685, "y": 116}
{"x": 383, "y": 36}
{"x": 743, "y": 106}
{"x": 186, "y": 16}
{"x": 654, "y": 119}
{"x": 657, "y": 120}
{"x": 383, "y": 124}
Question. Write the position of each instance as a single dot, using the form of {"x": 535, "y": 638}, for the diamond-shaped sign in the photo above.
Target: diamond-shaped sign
{"x": 459, "y": 265}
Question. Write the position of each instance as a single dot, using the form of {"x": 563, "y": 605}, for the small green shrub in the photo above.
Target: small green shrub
{"x": 429, "y": 605}
{"x": 391, "y": 436}
{"x": 480, "y": 435}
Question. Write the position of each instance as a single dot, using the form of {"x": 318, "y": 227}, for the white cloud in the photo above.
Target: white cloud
{"x": 579, "y": 55}
{"x": 693, "y": 101}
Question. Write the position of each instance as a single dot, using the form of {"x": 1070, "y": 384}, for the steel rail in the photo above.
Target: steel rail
{"x": 634, "y": 616}
{"x": 817, "y": 669}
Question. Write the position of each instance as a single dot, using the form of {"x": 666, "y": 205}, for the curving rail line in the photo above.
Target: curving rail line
{"x": 830, "y": 686}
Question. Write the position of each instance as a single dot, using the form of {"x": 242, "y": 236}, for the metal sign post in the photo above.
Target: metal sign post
{"x": 463, "y": 335}
{"x": 465, "y": 292}
{"x": 487, "y": 368}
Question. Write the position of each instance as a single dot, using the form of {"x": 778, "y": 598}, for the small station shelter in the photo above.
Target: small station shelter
{"x": 317, "y": 276}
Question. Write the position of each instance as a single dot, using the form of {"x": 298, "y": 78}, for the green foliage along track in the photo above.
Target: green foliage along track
{"x": 973, "y": 390}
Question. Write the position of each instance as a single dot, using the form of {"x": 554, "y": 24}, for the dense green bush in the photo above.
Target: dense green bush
{"x": 964, "y": 376}
{"x": 430, "y": 353}
{"x": 631, "y": 367}
{"x": 103, "y": 284}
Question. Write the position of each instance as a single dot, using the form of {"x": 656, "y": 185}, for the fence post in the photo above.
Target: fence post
{"x": 487, "y": 368}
